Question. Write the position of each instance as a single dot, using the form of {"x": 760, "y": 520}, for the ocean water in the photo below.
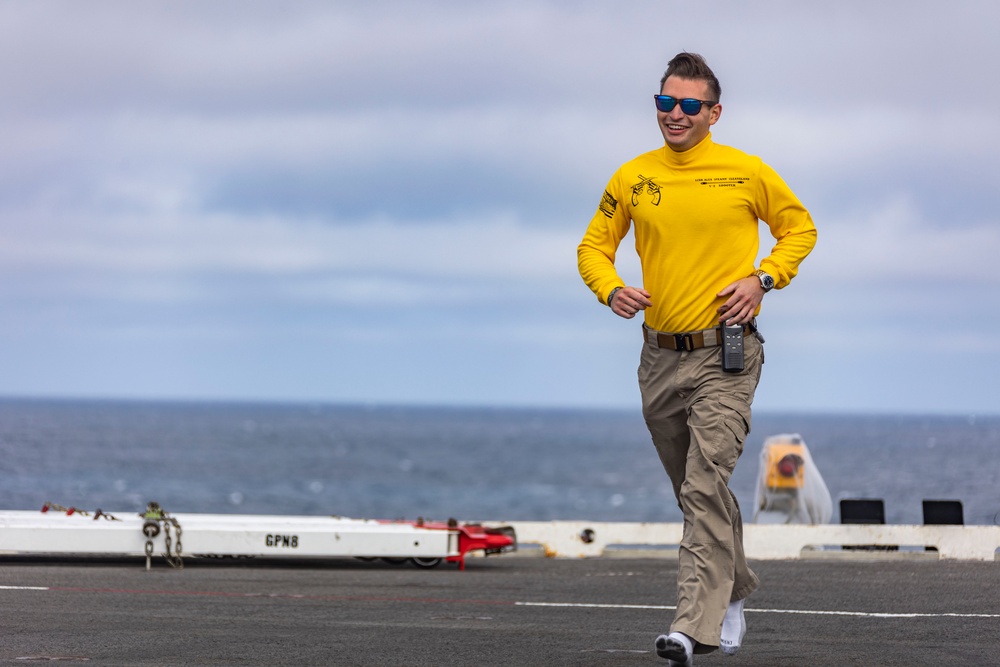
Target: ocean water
{"x": 468, "y": 463}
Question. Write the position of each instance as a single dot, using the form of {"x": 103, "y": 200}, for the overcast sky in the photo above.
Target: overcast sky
{"x": 381, "y": 201}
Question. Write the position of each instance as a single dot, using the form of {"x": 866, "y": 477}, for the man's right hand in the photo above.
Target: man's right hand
{"x": 630, "y": 300}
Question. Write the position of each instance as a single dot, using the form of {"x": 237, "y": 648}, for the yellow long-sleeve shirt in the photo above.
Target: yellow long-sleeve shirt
{"x": 696, "y": 230}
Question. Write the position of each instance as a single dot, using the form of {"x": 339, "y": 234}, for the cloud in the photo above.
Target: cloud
{"x": 347, "y": 257}
{"x": 895, "y": 244}
{"x": 310, "y": 54}
{"x": 322, "y": 171}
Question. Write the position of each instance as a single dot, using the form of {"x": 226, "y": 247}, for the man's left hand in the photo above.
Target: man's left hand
{"x": 744, "y": 296}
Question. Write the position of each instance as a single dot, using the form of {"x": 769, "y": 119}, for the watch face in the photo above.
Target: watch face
{"x": 768, "y": 282}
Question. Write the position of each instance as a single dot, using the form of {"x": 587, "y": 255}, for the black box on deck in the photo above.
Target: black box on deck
{"x": 943, "y": 513}
{"x": 862, "y": 510}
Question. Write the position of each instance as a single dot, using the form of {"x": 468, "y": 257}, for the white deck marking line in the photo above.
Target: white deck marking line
{"x": 578, "y": 605}
{"x": 597, "y": 605}
{"x": 865, "y": 614}
{"x": 874, "y": 614}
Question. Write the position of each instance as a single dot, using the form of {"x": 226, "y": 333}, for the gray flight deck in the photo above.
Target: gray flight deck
{"x": 503, "y": 610}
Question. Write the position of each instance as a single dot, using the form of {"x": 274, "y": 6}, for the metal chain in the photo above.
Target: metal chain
{"x": 179, "y": 547}
{"x": 155, "y": 516}
{"x": 99, "y": 514}
{"x": 174, "y": 560}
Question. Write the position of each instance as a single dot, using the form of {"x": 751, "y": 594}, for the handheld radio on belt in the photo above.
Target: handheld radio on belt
{"x": 732, "y": 348}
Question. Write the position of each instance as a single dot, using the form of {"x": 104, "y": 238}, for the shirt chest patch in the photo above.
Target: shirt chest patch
{"x": 608, "y": 204}
{"x": 722, "y": 181}
{"x": 647, "y": 186}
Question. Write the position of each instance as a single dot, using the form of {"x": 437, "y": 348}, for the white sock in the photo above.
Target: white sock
{"x": 676, "y": 647}
{"x": 734, "y": 628}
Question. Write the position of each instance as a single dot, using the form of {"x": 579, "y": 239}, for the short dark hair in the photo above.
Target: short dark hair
{"x": 692, "y": 66}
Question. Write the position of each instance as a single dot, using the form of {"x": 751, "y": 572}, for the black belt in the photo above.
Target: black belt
{"x": 689, "y": 341}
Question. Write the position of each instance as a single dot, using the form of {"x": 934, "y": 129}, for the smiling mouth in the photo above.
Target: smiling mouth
{"x": 676, "y": 128}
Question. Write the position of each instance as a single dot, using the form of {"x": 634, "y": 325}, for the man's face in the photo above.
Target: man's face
{"x": 680, "y": 131}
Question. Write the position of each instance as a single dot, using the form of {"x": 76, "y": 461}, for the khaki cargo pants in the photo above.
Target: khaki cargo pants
{"x": 699, "y": 417}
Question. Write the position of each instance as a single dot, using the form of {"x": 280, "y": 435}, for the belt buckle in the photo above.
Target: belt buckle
{"x": 684, "y": 342}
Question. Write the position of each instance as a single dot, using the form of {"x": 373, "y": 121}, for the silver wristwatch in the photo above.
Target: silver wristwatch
{"x": 766, "y": 281}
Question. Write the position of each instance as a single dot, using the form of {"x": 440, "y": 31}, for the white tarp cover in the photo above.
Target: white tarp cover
{"x": 790, "y": 488}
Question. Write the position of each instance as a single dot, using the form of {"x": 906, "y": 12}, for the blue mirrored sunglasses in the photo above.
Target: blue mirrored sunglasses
{"x": 689, "y": 105}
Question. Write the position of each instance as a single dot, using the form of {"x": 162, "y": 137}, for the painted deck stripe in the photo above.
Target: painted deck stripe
{"x": 598, "y": 605}
{"x": 564, "y": 605}
{"x": 808, "y": 612}
{"x": 272, "y": 596}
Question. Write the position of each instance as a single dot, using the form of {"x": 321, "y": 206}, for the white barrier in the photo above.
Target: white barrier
{"x": 35, "y": 532}
{"x": 581, "y": 539}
